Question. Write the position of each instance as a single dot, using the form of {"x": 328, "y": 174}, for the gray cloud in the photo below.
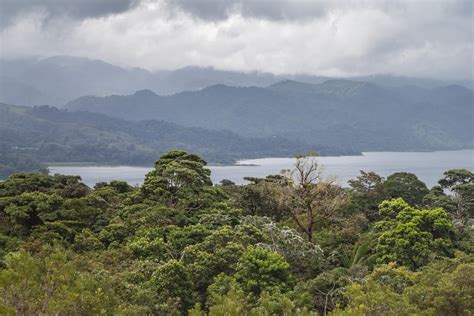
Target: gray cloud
{"x": 11, "y": 10}
{"x": 264, "y": 9}
{"x": 432, "y": 38}
{"x": 215, "y": 10}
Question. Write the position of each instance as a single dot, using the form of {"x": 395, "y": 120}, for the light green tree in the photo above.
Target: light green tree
{"x": 260, "y": 270}
{"x": 411, "y": 237}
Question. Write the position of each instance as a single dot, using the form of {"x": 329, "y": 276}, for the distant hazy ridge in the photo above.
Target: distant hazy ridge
{"x": 349, "y": 115}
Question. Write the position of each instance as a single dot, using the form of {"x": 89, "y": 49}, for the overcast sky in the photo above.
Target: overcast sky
{"x": 430, "y": 38}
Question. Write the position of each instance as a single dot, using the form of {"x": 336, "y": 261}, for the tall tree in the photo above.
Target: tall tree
{"x": 407, "y": 186}
{"x": 461, "y": 183}
{"x": 367, "y": 191}
{"x": 177, "y": 176}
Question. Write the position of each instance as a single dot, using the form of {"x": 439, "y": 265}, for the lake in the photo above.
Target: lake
{"x": 428, "y": 166}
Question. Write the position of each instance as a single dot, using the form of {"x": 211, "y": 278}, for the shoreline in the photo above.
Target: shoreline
{"x": 428, "y": 166}
{"x": 236, "y": 163}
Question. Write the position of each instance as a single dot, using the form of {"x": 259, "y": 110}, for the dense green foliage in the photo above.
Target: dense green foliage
{"x": 291, "y": 244}
{"x": 410, "y": 236}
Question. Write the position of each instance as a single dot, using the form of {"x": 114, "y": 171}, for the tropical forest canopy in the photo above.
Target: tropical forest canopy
{"x": 289, "y": 244}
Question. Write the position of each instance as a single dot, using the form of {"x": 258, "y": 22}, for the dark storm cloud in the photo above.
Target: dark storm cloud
{"x": 216, "y": 10}
{"x": 263, "y": 9}
{"x": 76, "y": 9}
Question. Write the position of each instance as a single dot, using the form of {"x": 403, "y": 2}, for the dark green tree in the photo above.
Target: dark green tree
{"x": 461, "y": 183}
{"x": 28, "y": 210}
{"x": 438, "y": 198}
{"x": 177, "y": 176}
{"x": 367, "y": 192}
{"x": 407, "y": 186}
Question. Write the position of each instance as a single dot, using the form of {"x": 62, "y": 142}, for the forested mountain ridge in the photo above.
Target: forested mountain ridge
{"x": 46, "y": 134}
{"x": 359, "y": 116}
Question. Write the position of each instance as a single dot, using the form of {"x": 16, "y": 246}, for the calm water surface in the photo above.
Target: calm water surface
{"x": 428, "y": 166}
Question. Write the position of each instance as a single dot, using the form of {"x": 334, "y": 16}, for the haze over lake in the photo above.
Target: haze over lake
{"x": 428, "y": 166}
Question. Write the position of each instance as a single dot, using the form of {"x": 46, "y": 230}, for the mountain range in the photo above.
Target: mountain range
{"x": 350, "y": 115}
{"x": 59, "y": 79}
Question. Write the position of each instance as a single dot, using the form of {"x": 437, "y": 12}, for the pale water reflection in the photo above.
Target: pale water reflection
{"x": 428, "y": 166}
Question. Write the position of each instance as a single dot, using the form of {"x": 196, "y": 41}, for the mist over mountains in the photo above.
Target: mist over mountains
{"x": 60, "y": 79}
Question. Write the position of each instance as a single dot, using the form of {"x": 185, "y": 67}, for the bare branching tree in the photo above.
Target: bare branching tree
{"x": 309, "y": 195}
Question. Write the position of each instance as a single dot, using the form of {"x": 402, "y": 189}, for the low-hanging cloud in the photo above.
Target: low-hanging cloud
{"x": 432, "y": 38}
{"x": 76, "y": 9}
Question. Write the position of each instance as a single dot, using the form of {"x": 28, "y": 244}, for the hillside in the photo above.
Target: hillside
{"x": 353, "y": 115}
{"x": 45, "y": 134}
